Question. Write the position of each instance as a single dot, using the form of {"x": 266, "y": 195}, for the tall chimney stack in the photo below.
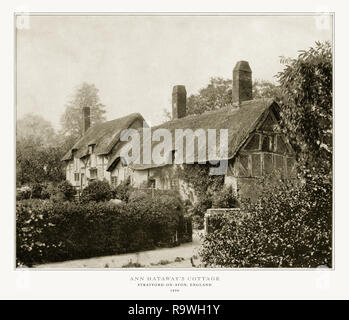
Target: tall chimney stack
{"x": 242, "y": 82}
{"x": 86, "y": 121}
{"x": 179, "y": 102}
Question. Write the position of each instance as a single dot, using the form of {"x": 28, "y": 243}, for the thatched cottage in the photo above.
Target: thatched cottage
{"x": 89, "y": 158}
{"x": 256, "y": 146}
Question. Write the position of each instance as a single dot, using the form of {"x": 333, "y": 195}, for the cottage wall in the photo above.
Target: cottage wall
{"x": 266, "y": 153}
{"x": 163, "y": 178}
{"x": 93, "y": 167}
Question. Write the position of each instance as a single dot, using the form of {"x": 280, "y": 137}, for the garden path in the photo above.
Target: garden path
{"x": 183, "y": 256}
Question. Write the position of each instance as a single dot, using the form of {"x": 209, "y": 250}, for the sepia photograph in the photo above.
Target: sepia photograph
{"x": 174, "y": 141}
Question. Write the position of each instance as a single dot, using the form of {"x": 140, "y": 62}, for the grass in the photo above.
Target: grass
{"x": 131, "y": 264}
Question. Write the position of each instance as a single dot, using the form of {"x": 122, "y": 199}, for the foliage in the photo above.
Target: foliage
{"x": 266, "y": 89}
{"x": 306, "y": 85}
{"x": 123, "y": 190}
{"x": 97, "y": 191}
{"x": 225, "y": 198}
{"x": 86, "y": 95}
{"x": 38, "y": 153}
{"x": 48, "y": 232}
{"x": 64, "y": 191}
{"x": 36, "y": 129}
{"x": 36, "y": 190}
{"x": 23, "y": 193}
{"x": 197, "y": 177}
{"x": 288, "y": 227}
{"x": 218, "y": 94}
{"x": 131, "y": 264}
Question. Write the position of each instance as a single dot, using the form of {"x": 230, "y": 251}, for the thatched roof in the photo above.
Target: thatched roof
{"x": 240, "y": 122}
{"x": 104, "y": 136}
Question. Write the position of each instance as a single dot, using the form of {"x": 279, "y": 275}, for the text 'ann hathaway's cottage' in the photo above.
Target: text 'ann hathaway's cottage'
{"x": 256, "y": 146}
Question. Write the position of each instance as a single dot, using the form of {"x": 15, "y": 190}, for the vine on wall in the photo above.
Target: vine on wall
{"x": 197, "y": 178}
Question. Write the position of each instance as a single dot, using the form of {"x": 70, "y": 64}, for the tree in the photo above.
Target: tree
{"x": 218, "y": 94}
{"x": 38, "y": 152}
{"x": 86, "y": 95}
{"x": 291, "y": 224}
{"x": 36, "y": 129}
{"x": 306, "y": 113}
{"x": 37, "y": 164}
{"x": 266, "y": 89}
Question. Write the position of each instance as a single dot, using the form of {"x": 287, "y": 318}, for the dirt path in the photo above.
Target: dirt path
{"x": 177, "y": 257}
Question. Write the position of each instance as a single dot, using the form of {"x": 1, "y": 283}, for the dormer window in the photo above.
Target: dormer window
{"x": 91, "y": 148}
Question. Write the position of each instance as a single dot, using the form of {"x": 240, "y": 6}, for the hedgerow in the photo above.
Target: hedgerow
{"x": 48, "y": 231}
{"x": 290, "y": 226}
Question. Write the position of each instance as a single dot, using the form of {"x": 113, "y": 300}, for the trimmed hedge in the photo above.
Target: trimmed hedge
{"x": 290, "y": 226}
{"x": 49, "y": 231}
{"x": 97, "y": 191}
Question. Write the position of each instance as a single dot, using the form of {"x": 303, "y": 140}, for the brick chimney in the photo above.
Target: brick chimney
{"x": 242, "y": 82}
{"x": 86, "y": 121}
{"x": 179, "y": 102}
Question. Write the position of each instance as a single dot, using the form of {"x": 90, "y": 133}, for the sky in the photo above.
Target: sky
{"x": 135, "y": 61}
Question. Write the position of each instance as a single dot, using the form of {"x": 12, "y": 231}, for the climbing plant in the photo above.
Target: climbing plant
{"x": 197, "y": 177}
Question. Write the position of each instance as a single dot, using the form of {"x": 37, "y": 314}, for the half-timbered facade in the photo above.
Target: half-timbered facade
{"x": 256, "y": 146}
{"x": 89, "y": 158}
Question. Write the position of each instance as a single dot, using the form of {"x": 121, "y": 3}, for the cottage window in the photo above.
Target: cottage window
{"x": 268, "y": 163}
{"x": 91, "y": 148}
{"x": 82, "y": 179}
{"x": 279, "y": 164}
{"x": 93, "y": 173}
{"x": 268, "y": 143}
{"x": 256, "y": 165}
{"x": 76, "y": 176}
{"x": 114, "y": 181}
{"x": 151, "y": 183}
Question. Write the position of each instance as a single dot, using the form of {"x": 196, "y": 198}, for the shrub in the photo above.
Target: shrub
{"x": 290, "y": 226}
{"x": 225, "y": 198}
{"x": 131, "y": 264}
{"x": 137, "y": 195}
{"x": 199, "y": 209}
{"x": 36, "y": 190}
{"x": 23, "y": 193}
{"x": 49, "y": 231}
{"x": 97, "y": 191}
{"x": 46, "y": 191}
{"x": 123, "y": 190}
{"x": 64, "y": 191}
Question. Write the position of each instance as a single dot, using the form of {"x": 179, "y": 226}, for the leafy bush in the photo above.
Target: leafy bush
{"x": 48, "y": 231}
{"x": 123, "y": 190}
{"x": 291, "y": 226}
{"x": 67, "y": 190}
{"x": 225, "y": 198}
{"x": 97, "y": 191}
{"x": 198, "y": 211}
{"x": 137, "y": 195}
{"x": 36, "y": 189}
{"x": 23, "y": 193}
{"x": 64, "y": 191}
{"x": 46, "y": 191}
